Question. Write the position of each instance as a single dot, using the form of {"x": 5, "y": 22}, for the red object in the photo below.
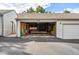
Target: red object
{"x": 26, "y": 33}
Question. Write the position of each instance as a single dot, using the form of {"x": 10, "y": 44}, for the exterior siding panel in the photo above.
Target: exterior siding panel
{"x": 8, "y": 18}
{"x": 58, "y": 29}
{"x": 0, "y": 25}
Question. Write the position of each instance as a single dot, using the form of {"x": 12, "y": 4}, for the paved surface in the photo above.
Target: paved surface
{"x": 11, "y": 35}
{"x": 38, "y": 46}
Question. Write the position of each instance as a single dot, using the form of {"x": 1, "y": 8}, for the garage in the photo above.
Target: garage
{"x": 66, "y": 25}
{"x": 70, "y": 31}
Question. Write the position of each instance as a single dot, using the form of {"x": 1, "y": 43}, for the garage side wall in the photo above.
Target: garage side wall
{"x": 8, "y": 18}
{"x": 59, "y": 27}
{"x": 0, "y": 25}
{"x": 18, "y": 28}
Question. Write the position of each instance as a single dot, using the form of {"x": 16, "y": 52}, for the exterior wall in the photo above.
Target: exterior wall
{"x": 59, "y": 27}
{"x": 8, "y": 18}
{"x": 0, "y": 25}
{"x": 18, "y": 28}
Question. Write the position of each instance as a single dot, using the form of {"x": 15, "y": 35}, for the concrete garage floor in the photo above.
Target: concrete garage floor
{"x": 38, "y": 46}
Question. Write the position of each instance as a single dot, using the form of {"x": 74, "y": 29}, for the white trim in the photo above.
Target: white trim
{"x": 38, "y": 20}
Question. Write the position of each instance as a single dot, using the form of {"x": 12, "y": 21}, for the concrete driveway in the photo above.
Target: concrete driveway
{"x": 38, "y": 46}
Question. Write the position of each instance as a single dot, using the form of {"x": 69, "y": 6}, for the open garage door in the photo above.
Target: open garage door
{"x": 70, "y": 31}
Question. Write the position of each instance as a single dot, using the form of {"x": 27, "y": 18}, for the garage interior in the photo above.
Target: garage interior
{"x": 37, "y": 28}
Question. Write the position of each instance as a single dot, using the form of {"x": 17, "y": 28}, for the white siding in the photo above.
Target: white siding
{"x": 0, "y": 26}
{"x": 58, "y": 29}
{"x": 8, "y": 17}
{"x": 59, "y": 25}
{"x": 18, "y": 28}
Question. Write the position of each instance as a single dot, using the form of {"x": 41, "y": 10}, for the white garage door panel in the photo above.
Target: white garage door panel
{"x": 71, "y": 31}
